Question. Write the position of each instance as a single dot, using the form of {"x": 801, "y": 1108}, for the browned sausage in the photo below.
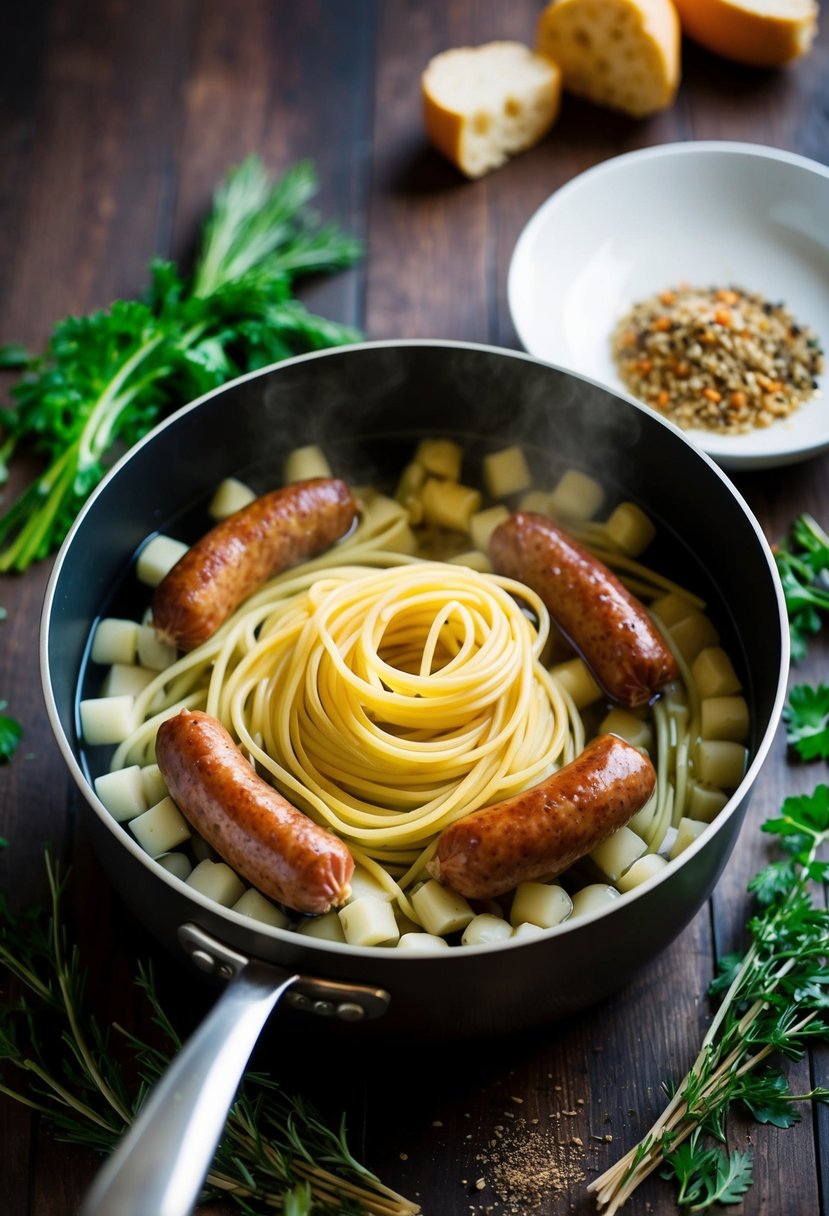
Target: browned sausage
{"x": 541, "y": 832}
{"x": 282, "y": 852}
{"x": 608, "y": 626}
{"x": 227, "y": 565}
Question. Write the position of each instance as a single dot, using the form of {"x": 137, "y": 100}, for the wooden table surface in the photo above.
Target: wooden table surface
{"x": 116, "y": 122}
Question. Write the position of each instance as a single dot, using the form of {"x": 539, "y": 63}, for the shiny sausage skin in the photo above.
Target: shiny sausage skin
{"x": 227, "y": 565}
{"x": 608, "y": 626}
{"x": 282, "y": 852}
{"x": 543, "y": 831}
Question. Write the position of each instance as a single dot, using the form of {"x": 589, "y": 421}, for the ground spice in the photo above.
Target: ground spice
{"x": 525, "y": 1167}
{"x": 720, "y": 359}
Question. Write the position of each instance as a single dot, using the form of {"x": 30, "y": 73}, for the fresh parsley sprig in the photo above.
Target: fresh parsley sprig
{"x": 276, "y": 1154}
{"x": 806, "y": 715}
{"x": 802, "y": 560}
{"x": 107, "y": 378}
{"x": 774, "y": 1000}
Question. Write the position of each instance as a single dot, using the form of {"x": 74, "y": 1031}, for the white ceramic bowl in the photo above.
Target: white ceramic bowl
{"x": 707, "y": 213}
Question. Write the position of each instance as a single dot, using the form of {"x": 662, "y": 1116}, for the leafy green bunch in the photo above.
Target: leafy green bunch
{"x": 107, "y": 378}
{"x": 57, "y": 1059}
{"x": 774, "y": 1000}
{"x": 802, "y": 560}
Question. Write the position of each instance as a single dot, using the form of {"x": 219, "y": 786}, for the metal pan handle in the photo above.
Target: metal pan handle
{"x": 160, "y": 1165}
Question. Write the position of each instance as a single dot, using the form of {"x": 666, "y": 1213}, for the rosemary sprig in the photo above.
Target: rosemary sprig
{"x": 56, "y": 1059}
{"x": 774, "y": 1001}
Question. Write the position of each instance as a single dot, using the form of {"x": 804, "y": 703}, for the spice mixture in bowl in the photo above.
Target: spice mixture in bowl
{"x": 740, "y": 218}
{"x": 723, "y": 359}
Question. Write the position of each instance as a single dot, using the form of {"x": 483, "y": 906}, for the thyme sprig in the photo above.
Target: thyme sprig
{"x": 89, "y": 1081}
{"x": 774, "y": 1000}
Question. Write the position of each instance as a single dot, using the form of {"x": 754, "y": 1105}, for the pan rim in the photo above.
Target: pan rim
{"x": 391, "y": 954}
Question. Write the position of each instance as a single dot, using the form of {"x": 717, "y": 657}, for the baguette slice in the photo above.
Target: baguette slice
{"x": 624, "y": 54}
{"x": 483, "y": 104}
{"x": 761, "y": 33}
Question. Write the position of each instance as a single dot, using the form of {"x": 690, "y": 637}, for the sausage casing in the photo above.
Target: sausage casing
{"x": 241, "y": 552}
{"x": 277, "y": 848}
{"x": 607, "y": 625}
{"x": 541, "y": 832}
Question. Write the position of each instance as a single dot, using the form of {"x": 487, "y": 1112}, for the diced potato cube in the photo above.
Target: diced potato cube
{"x": 216, "y": 881}
{"x": 643, "y": 869}
{"x": 486, "y": 928}
{"x": 254, "y": 904}
{"x": 157, "y": 558}
{"x": 506, "y": 472}
{"x": 106, "y": 719}
{"x": 721, "y": 762}
{"x": 126, "y": 679}
{"x": 473, "y": 559}
{"x": 630, "y": 528}
{"x": 642, "y": 820}
{"x": 161, "y": 828}
{"x": 617, "y": 854}
{"x": 441, "y": 910}
{"x": 326, "y": 928}
{"x": 705, "y": 802}
{"x": 537, "y": 501}
{"x": 115, "y": 641}
{"x": 688, "y": 830}
{"x": 596, "y": 897}
{"x": 440, "y": 457}
{"x": 540, "y": 903}
{"x": 527, "y": 929}
{"x": 155, "y": 787}
{"x": 575, "y": 678}
{"x": 152, "y": 652}
{"x": 369, "y": 922}
{"x": 306, "y": 462}
{"x": 364, "y": 883}
{"x": 671, "y": 608}
{"x": 412, "y": 481}
{"x": 447, "y": 504}
{"x": 177, "y": 864}
{"x": 627, "y": 726}
{"x": 483, "y": 524}
{"x": 714, "y": 673}
{"x": 692, "y": 634}
{"x": 725, "y": 718}
{"x": 577, "y": 496}
{"x": 122, "y": 793}
{"x": 421, "y": 941}
{"x": 230, "y": 496}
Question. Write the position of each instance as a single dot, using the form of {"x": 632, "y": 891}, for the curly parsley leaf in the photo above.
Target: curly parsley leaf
{"x": 807, "y": 721}
{"x": 11, "y": 732}
{"x": 707, "y": 1176}
{"x": 802, "y": 560}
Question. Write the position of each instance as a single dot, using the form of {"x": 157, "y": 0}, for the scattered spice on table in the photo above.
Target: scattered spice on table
{"x": 524, "y": 1166}
{"x": 717, "y": 358}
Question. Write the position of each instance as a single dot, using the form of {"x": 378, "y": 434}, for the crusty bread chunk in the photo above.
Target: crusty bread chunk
{"x": 618, "y": 53}
{"x": 482, "y": 104}
{"x": 763, "y": 33}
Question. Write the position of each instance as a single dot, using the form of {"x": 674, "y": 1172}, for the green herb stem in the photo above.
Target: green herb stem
{"x": 776, "y": 997}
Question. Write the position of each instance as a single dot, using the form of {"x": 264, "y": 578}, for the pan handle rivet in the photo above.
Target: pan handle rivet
{"x": 203, "y": 960}
{"x": 350, "y": 1011}
{"x": 325, "y": 1008}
